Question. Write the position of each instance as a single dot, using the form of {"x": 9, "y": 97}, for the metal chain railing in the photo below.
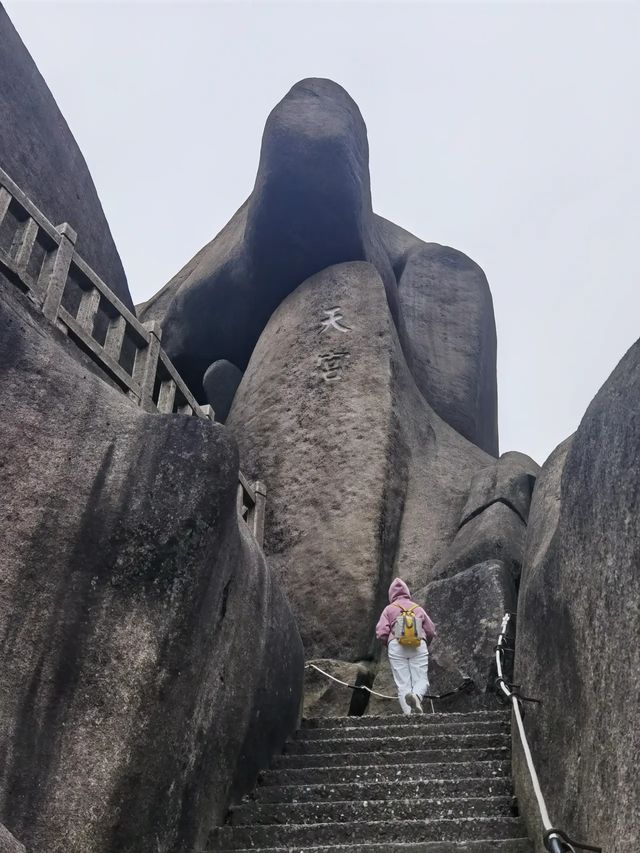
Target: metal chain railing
{"x": 555, "y": 840}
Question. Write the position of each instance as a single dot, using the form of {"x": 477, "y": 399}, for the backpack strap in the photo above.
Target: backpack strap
{"x": 405, "y": 610}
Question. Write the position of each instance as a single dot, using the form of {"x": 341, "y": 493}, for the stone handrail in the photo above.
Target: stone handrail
{"x": 40, "y": 258}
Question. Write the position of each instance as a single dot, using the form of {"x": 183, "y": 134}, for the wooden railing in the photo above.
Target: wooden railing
{"x": 41, "y": 260}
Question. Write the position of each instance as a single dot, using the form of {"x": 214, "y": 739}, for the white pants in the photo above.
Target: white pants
{"x": 410, "y": 668}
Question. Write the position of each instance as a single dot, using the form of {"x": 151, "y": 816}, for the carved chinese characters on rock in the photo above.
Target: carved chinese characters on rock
{"x": 332, "y": 362}
{"x": 333, "y": 321}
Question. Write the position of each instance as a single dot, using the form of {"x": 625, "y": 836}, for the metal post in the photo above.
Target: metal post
{"x": 58, "y": 279}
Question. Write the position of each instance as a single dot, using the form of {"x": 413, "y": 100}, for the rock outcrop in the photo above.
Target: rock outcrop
{"x": 578, "y": 630}
{"x": 8, "y": 844}
{"x": 220, "y": 383}
{"x": 365, "y": 480}
{"x": 493, "y": 522}
{"x": 150, "y": 663}
{"x": 310, "y": 209}
{"x": 448, "y": 314}
{"x": 39, "y": 153}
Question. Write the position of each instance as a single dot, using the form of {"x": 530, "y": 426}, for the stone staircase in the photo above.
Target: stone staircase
{"x": 436, "y": 783}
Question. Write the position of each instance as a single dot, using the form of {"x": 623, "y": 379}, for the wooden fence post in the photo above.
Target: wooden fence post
{"x": 259, "y": 512}
{"x": 60, "y": 271}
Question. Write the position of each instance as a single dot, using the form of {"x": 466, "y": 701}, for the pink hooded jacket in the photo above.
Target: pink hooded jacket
{"x": 399, "y": 592}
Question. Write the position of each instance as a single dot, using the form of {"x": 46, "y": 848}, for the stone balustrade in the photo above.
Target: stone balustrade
{"x": 41, "y": 260}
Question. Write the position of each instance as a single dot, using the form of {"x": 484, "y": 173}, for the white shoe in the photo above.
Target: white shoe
{"x": 414, "y": 702}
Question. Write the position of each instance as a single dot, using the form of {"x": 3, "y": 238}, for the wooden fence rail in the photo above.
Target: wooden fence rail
{"x": 40, "y": 258}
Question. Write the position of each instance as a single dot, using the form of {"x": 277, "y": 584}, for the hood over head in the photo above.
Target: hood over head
{"x": 398, "y": 589}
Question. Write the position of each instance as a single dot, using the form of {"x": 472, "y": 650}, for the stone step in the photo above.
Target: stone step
{"x": 493, "y": 845}
{"x": 407, "y": 729}
{"x": 301, "y": 835}
{"x": 374, "y": 745}
{"x": 351, "y": 811}
{"x": 396, "y": 758}
{"x": 454, "y": 767}
{"x": 421, "y": 788}
{"x": 400, "y": 719}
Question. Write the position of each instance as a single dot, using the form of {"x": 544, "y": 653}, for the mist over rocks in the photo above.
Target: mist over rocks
{"x": 39, "y": 153}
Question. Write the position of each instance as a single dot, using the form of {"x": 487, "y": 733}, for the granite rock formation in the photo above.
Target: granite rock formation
{"x": 448, "y": 314}
{"x": 310, "y": 209}
{"x": 220, "y": 383}
{"x": 364, "y": 478}
{"x": 8, "y": 844}
{"x": 135, "y": 696}
{"x": 494, "y": 519}
{"x": 39, "y": 153}
{"x": 578, "y": 628}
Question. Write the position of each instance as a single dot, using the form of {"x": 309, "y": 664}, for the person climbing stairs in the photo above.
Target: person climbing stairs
{"x": 432, "y": 783}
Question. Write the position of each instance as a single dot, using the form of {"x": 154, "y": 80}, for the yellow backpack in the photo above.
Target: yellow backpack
{"x": 405, "y": 628}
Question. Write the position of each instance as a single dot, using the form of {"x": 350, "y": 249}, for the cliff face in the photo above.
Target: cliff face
{"x": 141, "y": 634}
{"x": 38, "y": 151}
{"x": 368, "y": 396}
{"x": 311, "y": 209}
{"x": 579, "y": 624}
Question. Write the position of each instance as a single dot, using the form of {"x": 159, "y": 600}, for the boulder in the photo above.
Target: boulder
{"x": 510, "y": 480}
{"x": 467, "y": 610}
{"x": 578, "y": 630}
{"x": 447, "y": 310}
{"x": 364, "y": 480}
{"x": 220, "y": 383}
{"x": 310, "y": 209}
{"x": 39, "y": 153}
{"x": 496, "y": 533}
{"x": 132, "y": 703}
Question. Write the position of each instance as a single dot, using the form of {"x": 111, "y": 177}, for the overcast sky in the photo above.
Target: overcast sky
{"x": 507, "y": 130}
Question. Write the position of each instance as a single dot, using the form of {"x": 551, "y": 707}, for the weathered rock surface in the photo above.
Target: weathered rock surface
{"x": 326, "y": 698}
{"x": 468, "y": 609}
{"x": 494, "y": 518}
{"x": 38, "y": 151}
{"x": 448, "y": 314}
{"x": 578, "y": 637}
{"x": 509, "y": 480}
{"x": 497, "y": 533}
{"x": 310, "y": 209}
{"x": 220, "y": 383}
{"x": 8, "y": 844}
{"x": 365, "y": 481}
{"x": 132, "y": 704}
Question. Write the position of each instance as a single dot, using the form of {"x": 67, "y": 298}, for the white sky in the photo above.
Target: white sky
{"x": 508, "y": 130}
